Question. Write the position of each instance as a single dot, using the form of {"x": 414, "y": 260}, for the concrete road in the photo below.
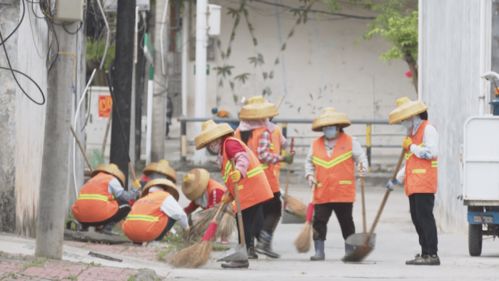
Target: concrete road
{"x": 396, "y": 242}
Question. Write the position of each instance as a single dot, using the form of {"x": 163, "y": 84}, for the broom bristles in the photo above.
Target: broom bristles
{"x": 295, "y": 206}
{"x": 226, "y": 226}
{"x": 200, "y": 223}
{"x": 193, "y": 256}
{"x": 304, "y": 239}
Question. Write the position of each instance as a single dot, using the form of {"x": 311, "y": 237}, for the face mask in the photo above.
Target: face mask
{"x": 214, "y": 147}
{"x": 330, "y": 132}
{"x": 407, "y": 124}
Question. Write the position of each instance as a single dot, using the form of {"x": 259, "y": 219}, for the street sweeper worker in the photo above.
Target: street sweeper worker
{"x": 265, "y": 140}
{"x": 102, "y": 201}
{"x": 158, "y": 170}
{"x": 419, "y": 174}
{"x": 155, "y": 213}
{"x": 330, "y": 171}
{"x": 241, "y": 168}
{"x": 203, "y": 191}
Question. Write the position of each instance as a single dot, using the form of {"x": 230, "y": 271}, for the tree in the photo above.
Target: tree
{"x": 396, "y": 22}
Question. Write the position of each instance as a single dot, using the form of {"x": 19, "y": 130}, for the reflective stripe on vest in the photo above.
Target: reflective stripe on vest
{"x": 251, "y": 173}
{"x": 142, "y": 218}
{"x": 93, "y": 197}
{"x": 329, "y": 164}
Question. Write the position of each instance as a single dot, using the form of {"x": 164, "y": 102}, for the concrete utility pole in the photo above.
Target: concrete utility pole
{"x": 201, "y": 56}
{"x": 159, "y": 100}
{"x": 122, "y": 84}
{"x": 55, "y": 169}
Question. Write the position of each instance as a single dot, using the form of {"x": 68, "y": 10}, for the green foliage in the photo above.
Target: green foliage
{"x": 95, "y": 51}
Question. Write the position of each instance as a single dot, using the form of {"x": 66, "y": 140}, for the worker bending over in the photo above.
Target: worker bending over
{"x": 203, "y": 191}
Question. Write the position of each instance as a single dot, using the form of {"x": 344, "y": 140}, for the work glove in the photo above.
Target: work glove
{"x": 288, "y": 158}
{"x": 235, "y": 176}
{"x": 391, "y": 184}
{"x": 406, "y": 144}
{"x": 311, "y": 181}
{"x": 136, "y": 184}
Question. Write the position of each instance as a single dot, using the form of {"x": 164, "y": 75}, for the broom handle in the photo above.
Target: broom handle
{"x": 362, "y": 192}
{"x": 385, "y": 198}
{"x": 219, "y": 209}
{"x": 288, "y": 172}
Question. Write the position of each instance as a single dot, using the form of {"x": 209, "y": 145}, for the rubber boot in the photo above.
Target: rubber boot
{"x": 108, "y": 229}
{"x": 236, "y": 264}
{"x": 319, "y": 251}
{"x": 251, "y": 253}
{"x": 264, "y": 245}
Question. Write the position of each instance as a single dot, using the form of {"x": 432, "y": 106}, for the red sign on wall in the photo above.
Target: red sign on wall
{"x": 105, "y": 106}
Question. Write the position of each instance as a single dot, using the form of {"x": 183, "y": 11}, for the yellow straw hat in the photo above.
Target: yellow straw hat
{"x": 257, "y": 108}
{"x": 167, "y": 185}
{"x": 111, "y": 169}
{"x": 330, "y": 117}
{"x": 161, "y": 167}
{"x": 406, "y": 109}
{"x": 211, "y": 131}
{"x": 195, "y": 183}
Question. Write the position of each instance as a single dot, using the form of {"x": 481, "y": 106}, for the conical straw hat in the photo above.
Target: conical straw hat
{"x": 167, "y": 185}
{"x": 257, "y": 108}
{"x": 195, "y": 183}
{"x": 330, "y": 117}
{"x": 211, "y": 131}
{"x": 111, "y": 169}
{"x": 406, "y": 109}
{"x": 161, "y": 167}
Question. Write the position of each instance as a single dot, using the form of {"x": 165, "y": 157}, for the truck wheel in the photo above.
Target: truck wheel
{"x": 475, "y": 239}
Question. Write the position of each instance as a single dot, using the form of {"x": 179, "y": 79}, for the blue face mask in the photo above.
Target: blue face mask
{"x": 330, "y": 132}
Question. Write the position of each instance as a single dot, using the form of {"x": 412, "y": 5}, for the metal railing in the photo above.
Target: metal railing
{"x": 284, "y": 122}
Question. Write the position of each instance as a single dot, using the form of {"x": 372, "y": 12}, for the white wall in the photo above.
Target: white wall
{"x": 327, "y": 58}
{"x": 450, "y": 71}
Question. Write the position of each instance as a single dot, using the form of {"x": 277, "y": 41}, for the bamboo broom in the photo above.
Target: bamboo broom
{"x": 304, "y": 239}
{"x": 292, "y": 204}
{"x": 198, "y": 254}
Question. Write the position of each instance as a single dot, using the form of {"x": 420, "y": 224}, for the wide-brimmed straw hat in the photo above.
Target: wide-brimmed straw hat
{"x": 405, "y": 110}
{"x": 211, "y": 131}
{"x": 330, "y": 117}
{"x": 161, "y": 167}
{"x": 167, "y": 185}
{"x": 111, "y": 169}
{"x": 195, "y": 183}
{"x": 257, "y": 108}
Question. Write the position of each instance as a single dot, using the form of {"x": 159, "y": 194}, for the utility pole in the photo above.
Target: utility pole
{"x": 55, "y": 169}
{"x": 122, "y": 84}
{"x": 159, "y": 100}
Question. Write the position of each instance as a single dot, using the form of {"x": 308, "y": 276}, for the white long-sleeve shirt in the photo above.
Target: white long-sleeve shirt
{"x": 115, "y": 188}
{"x": 172, "y": 209}
{"x": 427, "y": 150}
{"x": 359, "y": 156}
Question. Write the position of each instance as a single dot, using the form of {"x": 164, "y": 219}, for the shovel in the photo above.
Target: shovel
{"x": 238, "y": 253}
{"x": 358, "y": 246}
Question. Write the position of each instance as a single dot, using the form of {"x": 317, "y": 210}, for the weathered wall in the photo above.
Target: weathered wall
{"x": 9, "y": 17}
{"x": 450, "y": 71}
{"x": 326, "y": 63}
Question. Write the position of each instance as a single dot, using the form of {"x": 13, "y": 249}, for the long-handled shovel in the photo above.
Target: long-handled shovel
{"x": 239, "y": 252}
{"x": 199, "y": 253}
{"x": 360, "y": 245}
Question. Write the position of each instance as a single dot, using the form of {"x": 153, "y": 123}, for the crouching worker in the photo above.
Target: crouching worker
{"x": 241, "y": 168}
{"x": 158, "y": 170}
{"x": 155, "y": 213}
{"x": 102, "y": 201}
{"x": 201, "y": 190}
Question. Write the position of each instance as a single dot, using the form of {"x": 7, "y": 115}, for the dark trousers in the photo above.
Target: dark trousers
{"x": 252, "y": 218}
{"x": 322, "y": 213}
{"x": 421, "y": 205}
{"x": 123, "y": 210}
{"x": 168, "y": 226}
{"x": 272, "y": 213}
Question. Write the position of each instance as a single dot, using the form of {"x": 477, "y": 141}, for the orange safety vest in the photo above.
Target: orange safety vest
{"x": 95, "y": 203}
{"x": 335, "y": 174}
{"x": 254, "y": 188}
{"x": 268, "y": 168}
{"x": 146, "y": 221}
{"x": 421, "y": 175}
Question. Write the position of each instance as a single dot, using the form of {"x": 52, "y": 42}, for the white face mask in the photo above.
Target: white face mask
{"x": 330, "y": 132}
{"x": 214, "y": 146}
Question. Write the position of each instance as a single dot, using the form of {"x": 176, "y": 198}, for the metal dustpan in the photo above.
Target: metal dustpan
{"x": 356, "y": 248}
{"x": 238, "y": 253}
